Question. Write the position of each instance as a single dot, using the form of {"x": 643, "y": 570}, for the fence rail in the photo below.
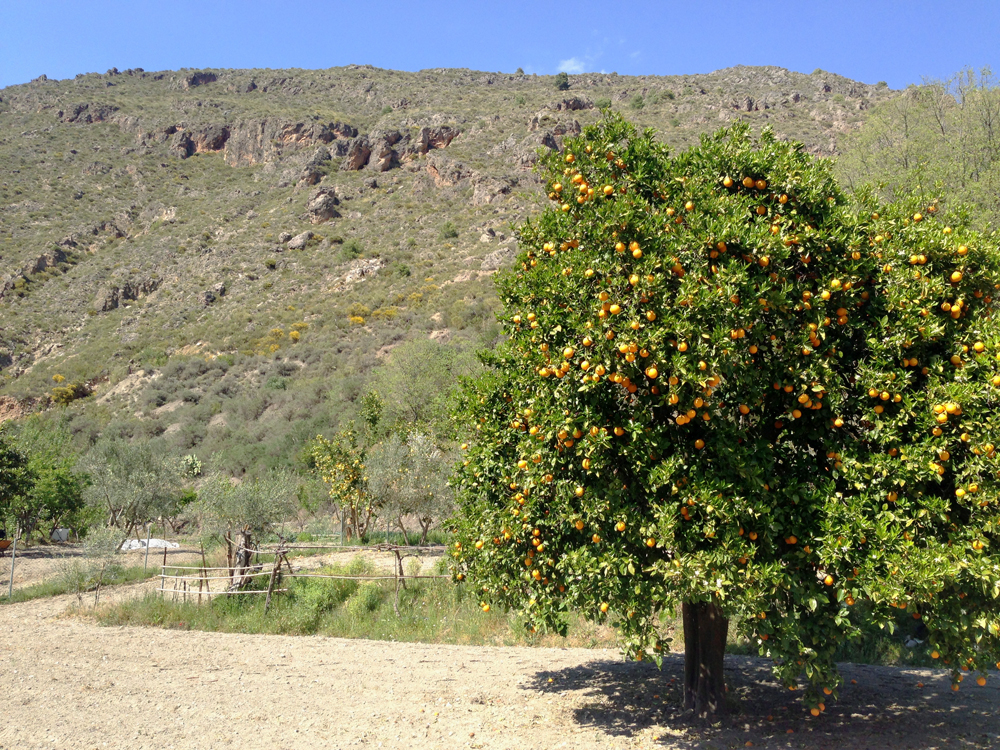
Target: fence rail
{"x": 197, "y": 584}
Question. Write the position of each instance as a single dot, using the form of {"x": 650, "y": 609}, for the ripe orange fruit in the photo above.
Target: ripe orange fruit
{"x": 651, "y": 542}
{"x": 981, "y": 681}
{"x": 748, "y": 182}
{"x": 486, "y": 607}
{"x": 828, "y": 580}
{"x": 689, "y": 206}
{"x": 699, "y": 443}
{"x": 727, "y": 181}
{"x": 604, "y": 606}
{"x": 579, "y": 525}
{"x": 652, "y": 372}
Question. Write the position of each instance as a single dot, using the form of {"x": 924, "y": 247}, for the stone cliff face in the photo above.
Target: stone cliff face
{"x": 249, "y": 142}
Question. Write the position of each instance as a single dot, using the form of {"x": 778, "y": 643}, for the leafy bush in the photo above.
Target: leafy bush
{"x": 365, "y": 600}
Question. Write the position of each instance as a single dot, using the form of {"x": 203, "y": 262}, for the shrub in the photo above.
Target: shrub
{"x": 366, "y": 599}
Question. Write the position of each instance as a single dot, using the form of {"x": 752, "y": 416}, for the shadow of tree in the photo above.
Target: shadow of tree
{"x": 882, "y": 708}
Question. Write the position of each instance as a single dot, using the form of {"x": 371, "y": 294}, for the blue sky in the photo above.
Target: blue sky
{"x": 899, "y": 41}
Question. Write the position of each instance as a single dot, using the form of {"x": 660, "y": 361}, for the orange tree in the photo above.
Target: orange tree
{"x": 726, "y": 388}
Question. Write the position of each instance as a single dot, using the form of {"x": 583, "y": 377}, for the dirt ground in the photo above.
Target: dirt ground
{"x": 66, "y": 682}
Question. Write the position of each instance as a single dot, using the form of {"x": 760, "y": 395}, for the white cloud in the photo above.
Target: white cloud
{"x": 572, "y": 65}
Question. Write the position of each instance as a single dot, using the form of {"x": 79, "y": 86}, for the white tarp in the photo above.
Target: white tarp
{"x": 132, "y": 544}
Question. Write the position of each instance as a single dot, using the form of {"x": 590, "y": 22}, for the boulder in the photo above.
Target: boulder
{"x": 53, "y": 257}
{"x": 322, "y": 205}
{"x": 284, "y": 236}
{"x": 299, "y": 241}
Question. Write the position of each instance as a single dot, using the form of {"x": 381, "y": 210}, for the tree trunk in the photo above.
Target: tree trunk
{"x": 705, "y": 631}
{"x": 242, "y": 561}
{"x": 402, "y": 527}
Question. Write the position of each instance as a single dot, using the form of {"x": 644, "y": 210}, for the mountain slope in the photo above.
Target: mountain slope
{"x": 155, "y": 246}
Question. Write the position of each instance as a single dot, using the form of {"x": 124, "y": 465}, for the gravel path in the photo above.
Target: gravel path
{"x": 68, "y": 683}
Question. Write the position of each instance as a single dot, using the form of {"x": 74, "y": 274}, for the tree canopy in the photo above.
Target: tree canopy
{"x": 940, "y": 138}
{"x": 728, "y": 387}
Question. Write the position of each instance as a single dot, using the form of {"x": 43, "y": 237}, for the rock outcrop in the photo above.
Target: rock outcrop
{"x": 87, "y": 113}
{"x": 488, "y": 189}
{"x": 383, "y": 157}
{"x": 202, "y": 140}
{"x": 446, "y": 172}
{"x": 199, "y": 79}
{"x": 322, "y": 205}
{"x": 312, "y": 172}
{"x": 357, "y": 154}
{"x": 255, "y": 141}
{"x": 211, "y": 295}
{"x": 109, "y": 298}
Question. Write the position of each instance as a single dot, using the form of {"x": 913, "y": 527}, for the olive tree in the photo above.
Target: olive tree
{"x": 130, "y": 482}
{"x": 726, "y": 389}
{"x": 245, "y": 510}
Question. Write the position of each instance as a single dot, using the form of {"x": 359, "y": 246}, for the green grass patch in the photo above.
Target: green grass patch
{"x": 67, "y": 584}
{"x": 430, "y": 611}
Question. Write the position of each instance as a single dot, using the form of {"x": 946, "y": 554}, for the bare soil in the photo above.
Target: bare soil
{"x": 66, "y": 682}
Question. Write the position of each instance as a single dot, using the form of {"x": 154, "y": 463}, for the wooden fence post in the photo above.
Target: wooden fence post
{"x": 13, "y": 554}
{"x": 275, "y": 566}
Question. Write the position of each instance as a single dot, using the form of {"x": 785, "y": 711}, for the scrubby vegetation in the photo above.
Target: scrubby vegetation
{"x": 149, "y": 285}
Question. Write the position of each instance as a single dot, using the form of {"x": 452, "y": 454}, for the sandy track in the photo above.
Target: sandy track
{"x": 68, "y": 683}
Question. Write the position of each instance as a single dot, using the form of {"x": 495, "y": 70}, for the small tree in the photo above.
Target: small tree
{"x": 16, "y": 482}
{"x": 725, "y": 389}
{"x": 340, "y": 463}
{"x": 561, "y": 82}
{"x": 55, "y": 495}
{"x": 432, "y": 498}
{"x": 410, "y": 479}
{"x": 243, "y": 511}
{"x": 131, "y": 482}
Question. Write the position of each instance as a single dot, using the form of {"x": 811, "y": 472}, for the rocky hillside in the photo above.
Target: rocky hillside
{"x": 222, "y": 258}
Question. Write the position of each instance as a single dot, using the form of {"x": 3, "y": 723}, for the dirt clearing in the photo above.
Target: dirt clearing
{"x": 68, "y": 683}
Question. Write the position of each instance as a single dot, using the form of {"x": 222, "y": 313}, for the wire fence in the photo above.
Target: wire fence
{"x": 192, "y": 582}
